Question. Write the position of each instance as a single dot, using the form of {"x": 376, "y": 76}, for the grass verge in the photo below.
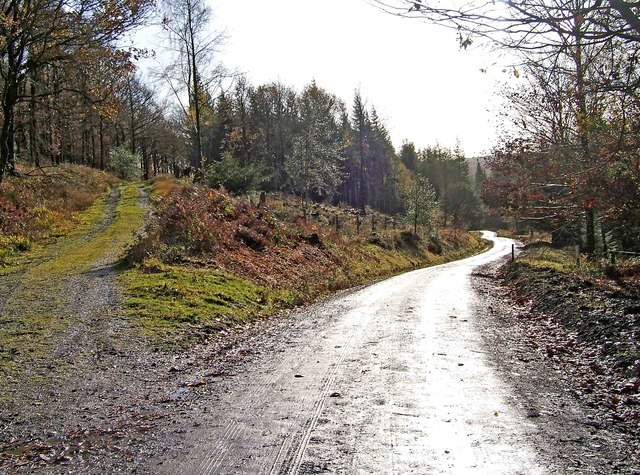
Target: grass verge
{"x": 579, "y": 295}
{"x": 175, "y": 305}
{"x": 170, "y": 303}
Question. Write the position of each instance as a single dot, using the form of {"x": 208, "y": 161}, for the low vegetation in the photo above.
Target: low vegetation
{"x": 46, "y": 204}
{"x": 35, "y": 308}
{"x": 210, "y": 260}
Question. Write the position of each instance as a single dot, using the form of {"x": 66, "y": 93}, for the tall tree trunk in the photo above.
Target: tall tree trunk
{"x": 583, "y": 133}
{"x": 590, "y": 229}
{"x": 7, "y": 163}
{"x": 362, "y": 195}
{"x": 197, "y": 162}
{"x": 146, "y": 165}
{"x": 132, "y": 118}
{"x": 34, "y": 152}
{"x": 102, "y": 151}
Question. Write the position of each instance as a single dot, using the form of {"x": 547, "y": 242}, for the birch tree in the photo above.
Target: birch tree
{"x": 192, "y": 68}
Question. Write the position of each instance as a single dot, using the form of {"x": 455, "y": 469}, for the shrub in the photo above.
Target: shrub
{"x": 124, "y": 163}
{"x": 13, "y": 218}
{"x": 196, "y": 221}
{"x": 15, "y": 243}
{"x": 235, "y": 177}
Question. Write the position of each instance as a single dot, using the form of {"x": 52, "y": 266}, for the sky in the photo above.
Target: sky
{"x": 423, "y": 87}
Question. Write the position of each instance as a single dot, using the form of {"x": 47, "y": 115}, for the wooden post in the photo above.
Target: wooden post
{"x": 513, "y": 252}
{"x": 357, "y": 224}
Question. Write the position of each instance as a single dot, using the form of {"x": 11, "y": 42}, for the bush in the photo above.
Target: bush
{"x": 124, "y": 164}
{"x": 13, "y": 218}
{"x": 235, "y": 177}
{"x": 197, "y": 221}
{"x": 15, "y": 243}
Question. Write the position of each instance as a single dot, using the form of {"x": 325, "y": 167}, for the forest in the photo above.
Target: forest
{"x": 73, "y": 93}
{"x": 567, "y": 162}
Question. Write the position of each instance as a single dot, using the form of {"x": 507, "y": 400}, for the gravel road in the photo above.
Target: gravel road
{"x": 393, "y": 378}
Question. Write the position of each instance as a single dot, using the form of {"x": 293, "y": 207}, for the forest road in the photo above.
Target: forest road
{"x": 393, "y": 378}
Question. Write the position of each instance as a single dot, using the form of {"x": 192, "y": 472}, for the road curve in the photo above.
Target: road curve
{"x": 393, "y": 378}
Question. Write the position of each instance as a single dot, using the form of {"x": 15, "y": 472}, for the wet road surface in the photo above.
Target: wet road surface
{"x": 393, "y": 378}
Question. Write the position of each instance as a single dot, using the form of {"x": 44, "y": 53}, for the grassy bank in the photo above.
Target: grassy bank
{"x": 210, "y": 260}
{"x": 585, "y": 296}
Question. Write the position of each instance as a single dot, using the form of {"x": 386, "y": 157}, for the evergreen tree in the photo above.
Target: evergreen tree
{"x": 315, "y": 164}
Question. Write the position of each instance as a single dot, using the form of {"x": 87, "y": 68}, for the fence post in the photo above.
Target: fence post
{"x": 357, "y": 224}
{"x": 513, "y": 252}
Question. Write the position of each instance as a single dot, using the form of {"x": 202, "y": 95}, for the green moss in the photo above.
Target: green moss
{"x": 168, "y": 300}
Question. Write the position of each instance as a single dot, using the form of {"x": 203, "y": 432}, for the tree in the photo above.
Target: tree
{"x": 382, "y": 161}
{"x": 448, "y": 172}
{"x": 420, "y": 203}
{"x": 479, "y": 178}
{"x": 524, "y": 23}
{"x": 235, "y": 177}
{"x": 409, "y": 155}
{"x": 193, "y": 67}
{"x": 361, "y": 128}
{"x": 315, "y": 162}
{"x": 124, "y": 163}
{"x": 143, "y": 112}
{"x": 35, "y": 34}
{"x": 273, "y": 110}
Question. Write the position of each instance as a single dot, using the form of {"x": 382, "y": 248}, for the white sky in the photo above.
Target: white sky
{"x": 424, "y": 88}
